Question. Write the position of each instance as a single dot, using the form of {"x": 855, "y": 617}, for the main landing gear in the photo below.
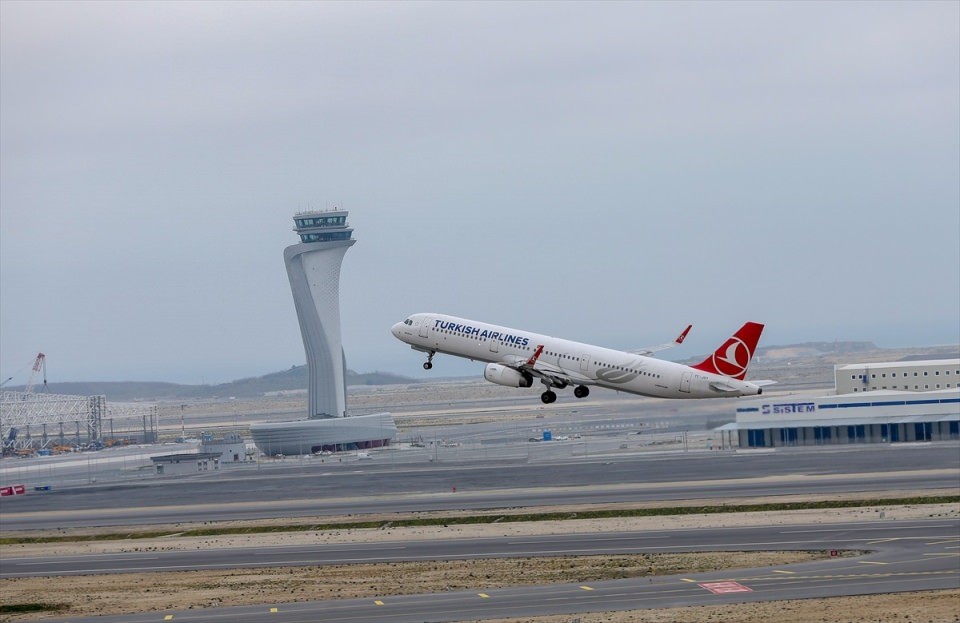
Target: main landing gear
{"x": 549, "y": 396}
{"x": 429, "y": 362}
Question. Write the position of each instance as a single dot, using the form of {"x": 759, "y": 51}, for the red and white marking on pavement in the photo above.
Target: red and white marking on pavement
{"x": 720, "y": 588}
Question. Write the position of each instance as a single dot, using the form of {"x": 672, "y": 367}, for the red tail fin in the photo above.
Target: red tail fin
{"x": 734, "y": 356}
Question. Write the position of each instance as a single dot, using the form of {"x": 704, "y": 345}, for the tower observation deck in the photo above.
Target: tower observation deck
{"x": 313, "y": 267}
{"x": 323, "y": 226}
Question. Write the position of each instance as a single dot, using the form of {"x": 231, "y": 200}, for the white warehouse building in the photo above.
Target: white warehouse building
{"x": 917, "y": 376}
{"x": 875, "y": 408}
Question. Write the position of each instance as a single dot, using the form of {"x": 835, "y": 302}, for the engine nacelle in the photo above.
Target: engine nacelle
{"x": 502, "y": 375}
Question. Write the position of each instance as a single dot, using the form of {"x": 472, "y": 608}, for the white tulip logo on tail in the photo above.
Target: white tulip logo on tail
{"x": 732, "y": 358}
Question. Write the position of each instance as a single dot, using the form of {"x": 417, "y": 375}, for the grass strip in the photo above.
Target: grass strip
{"x": 492, "y": 518}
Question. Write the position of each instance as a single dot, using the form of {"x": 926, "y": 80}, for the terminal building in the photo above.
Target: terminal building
{"x": 876, "y": 403}
{"x": 313, "y": 268}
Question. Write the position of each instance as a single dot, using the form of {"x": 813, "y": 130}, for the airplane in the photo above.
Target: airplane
{"x": 516, "y": 358}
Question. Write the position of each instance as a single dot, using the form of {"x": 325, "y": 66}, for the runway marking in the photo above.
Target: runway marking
{"x": 484, "y": 595}
{"x": 274, "y": 610}
{"x": 942, "y": 542}
{"x": 612, "y": 538}
{"x": 687, "y": 580}
{"x": 587, "y": 588}
{"x": 863, "y": 529}
{"x": 378, "y": 602}
{"x": 169, "y": 617}
{"x": 944, "y": 554}
{"x": 847, "y": 576}
{"x": 27, "y": 562}
{"x": 882, "y": 541}
{"x": 721, "y": 588}
{"x": 787, "y": 572}
{"x": 872, "y": 562}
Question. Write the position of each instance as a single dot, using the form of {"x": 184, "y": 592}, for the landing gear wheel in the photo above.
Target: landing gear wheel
{"x": 581, "y": 391}
{"x": 427, "y": 365}
{"x": 548, "y": 396}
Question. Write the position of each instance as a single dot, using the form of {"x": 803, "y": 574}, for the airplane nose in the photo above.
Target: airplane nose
{"x": 395, "y": 329}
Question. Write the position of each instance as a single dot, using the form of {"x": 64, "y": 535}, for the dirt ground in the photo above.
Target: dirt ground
{"x": 114, "y": 594}
{"x": 97, "y": 595}
{"x": 924, "y": 607}
{"x": 159, "y": 592}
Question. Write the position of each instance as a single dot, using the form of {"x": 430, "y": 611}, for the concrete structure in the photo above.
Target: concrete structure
{"x": 315, "y": 435}
{"x": 186, "y": 463}
{"x": 918, "y": 376}
{"x": 313, "y": 267}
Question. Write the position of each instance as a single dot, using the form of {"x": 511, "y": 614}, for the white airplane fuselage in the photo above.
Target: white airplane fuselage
{"x": 561, "y": 362}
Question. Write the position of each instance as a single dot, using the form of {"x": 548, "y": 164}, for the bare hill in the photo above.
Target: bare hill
{"x": 294, "y": 379}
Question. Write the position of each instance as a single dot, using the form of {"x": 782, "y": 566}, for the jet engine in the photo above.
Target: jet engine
{"x": 502, "y": 375}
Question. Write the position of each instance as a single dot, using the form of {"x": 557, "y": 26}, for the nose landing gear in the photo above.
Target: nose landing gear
{"x": 429, "y": 362}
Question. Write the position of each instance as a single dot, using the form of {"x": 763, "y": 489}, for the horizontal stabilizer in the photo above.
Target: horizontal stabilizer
{"x": 720, "y": 386}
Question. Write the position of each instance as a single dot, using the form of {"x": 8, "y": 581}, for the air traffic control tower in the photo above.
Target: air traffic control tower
{"x": 313, "y": 267}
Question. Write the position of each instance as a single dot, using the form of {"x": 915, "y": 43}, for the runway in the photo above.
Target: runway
{"x": 915, "y": 555}
{"x": 902, "y": 556}
{"x": 315, "y": 490}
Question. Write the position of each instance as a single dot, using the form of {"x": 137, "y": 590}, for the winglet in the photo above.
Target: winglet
{"x": 535, "y": 356}
{"x": 733, "y": 357}
{"x": 653, "y": 349}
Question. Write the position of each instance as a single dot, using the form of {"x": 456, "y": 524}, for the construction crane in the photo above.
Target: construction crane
{"x": 39, "y": 364}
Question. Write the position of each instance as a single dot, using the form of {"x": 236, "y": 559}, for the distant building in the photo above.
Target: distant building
{"x": 916, "y": 376}
{"x": 231, "y": 447}
{"x": 186, "y": 463}
{"x": 890, "y": 402}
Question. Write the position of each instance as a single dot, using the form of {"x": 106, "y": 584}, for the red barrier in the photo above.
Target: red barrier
{"x": 5, "y": 491}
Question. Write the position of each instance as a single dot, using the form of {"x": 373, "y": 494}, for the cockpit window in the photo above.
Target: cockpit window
{"x": 408, "y": 322}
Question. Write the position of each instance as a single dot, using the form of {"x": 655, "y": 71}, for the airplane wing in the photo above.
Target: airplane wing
{"x": 556, "y": 376}
{"x": 652, "y": 349}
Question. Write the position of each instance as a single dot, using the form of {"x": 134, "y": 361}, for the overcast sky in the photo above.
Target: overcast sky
{"x": 607, "y": 172}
